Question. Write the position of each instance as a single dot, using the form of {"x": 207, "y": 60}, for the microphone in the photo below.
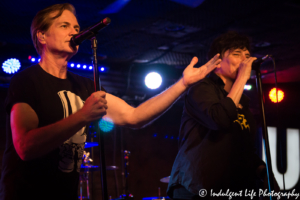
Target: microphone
{"x": 89, "y": 32}
{"x": 256, "y": 63}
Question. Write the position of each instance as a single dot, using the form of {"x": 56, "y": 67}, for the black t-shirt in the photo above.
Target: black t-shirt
{"x": 216, "y": 141}
{"x": 55, "y": 175}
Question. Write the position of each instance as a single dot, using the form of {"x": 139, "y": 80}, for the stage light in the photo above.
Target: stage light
{"x": 32, "y": 59}
{"x": 153, "y": 80}
{"x": 78, "y": 66}
{"x": 90, "y": 67}
{"x": 11, "y": 66}
{"x": 106, "y": 124}
{"x": 247, "y": 87}
{"x": 102, "y": 69}
{"x": 72, "y": 64}
{"x": 272, "y": 95}
{"x": 155, "y": 135}
{"x": 29, "y": 57}
{"x": 114, "y": 7}
{"x": 84, "y": 66}
{"x": 39, "y": 60}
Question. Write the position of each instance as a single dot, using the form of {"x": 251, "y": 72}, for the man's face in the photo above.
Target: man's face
{"x": 58, "y": 36}
{"x": 231, "y": 62}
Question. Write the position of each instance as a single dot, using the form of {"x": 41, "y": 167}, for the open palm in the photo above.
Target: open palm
{"x": 192, "y": 75}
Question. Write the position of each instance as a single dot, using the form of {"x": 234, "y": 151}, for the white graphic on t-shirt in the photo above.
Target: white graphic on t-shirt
{"x": 72, "y": 149}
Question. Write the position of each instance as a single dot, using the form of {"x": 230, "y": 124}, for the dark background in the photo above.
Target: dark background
{"x": 163, "y": 35}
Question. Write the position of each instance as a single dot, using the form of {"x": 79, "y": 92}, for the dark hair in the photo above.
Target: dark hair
{"x": 42, "y": 21}
{"x": 228, "y": 41}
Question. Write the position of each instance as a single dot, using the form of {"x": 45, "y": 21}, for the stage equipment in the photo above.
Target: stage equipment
{"x": 276, "y": 95}
{"x": 11, "y": 66}
{"x": 87, "y": 167}
{"x": 256, "y": 66}
{"x": 247, "y": 87}
{"x": 153, "y": 80}
{"x": 91, "y": 144}
{"x": 126, "y": 164}
{"x": 256, "y": 63}
{"x": 90, "y": 33}
{"x": 106, "y": 124}
{"x": 155, "y": 198}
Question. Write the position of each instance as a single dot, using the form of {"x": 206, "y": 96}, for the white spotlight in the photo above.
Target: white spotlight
{"x": 153, "y": 80}
{"x": 11, "y": 66}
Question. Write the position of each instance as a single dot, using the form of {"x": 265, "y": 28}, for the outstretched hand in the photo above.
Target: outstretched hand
{"x": 192, "y": 75}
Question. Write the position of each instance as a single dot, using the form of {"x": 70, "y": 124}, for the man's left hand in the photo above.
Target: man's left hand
{"x": 192, "y": 75}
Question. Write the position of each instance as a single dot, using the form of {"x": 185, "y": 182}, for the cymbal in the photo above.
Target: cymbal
{"x": 91, "y": 144}
{"x": 165, "y": 179}
{"x": 96, "y": 168}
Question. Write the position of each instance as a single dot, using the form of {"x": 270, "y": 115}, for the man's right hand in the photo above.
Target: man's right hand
{"x": 245, "y": 68}
{"x": 94, "y": 107}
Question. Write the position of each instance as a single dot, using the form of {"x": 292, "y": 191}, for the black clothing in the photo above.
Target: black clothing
{"x": 55, "y": 175}
{"x": 216, "y": 141}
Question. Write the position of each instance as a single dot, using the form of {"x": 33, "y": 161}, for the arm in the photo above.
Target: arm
{"x": 204, "y": 104}
{"x": 243, "y": 76}
{"x": 123, "y": 114}
{"x": 32, "y": 142}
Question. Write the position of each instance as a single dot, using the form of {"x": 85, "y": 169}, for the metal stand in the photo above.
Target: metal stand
{"x": 265, "y": 132}
{"x": 101, "y": 139}
{"x": 126, "y": 164}
{"x": 84, "y": 177}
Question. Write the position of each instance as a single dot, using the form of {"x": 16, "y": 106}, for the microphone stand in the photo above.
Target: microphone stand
{"x": 265, "y": 132}
{"x": 101, "y": 139}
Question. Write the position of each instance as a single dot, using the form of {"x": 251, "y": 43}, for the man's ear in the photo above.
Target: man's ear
{"x": 41, "y": 37}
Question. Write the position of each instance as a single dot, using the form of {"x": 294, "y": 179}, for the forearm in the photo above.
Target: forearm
{"x": 237, "y": 90}
{"x": 40, "y": 141}
{"x": 156, "y": 106}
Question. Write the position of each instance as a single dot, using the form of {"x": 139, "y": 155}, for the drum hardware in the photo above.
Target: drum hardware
{"x": 87, "y": 167}
{"x": 127, "y": 195}
{"x": 163, "y": 180}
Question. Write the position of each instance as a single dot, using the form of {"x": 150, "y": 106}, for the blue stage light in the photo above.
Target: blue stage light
{"x": 78, "y": 65}
{"x": 11, "y": 65}
{"x": 102, "y": 69}
{"x": 84, "y": 66}
{"x": 32, "y": 59}
{"x": 106, "y": 124}
{"x": 90, "y": 67}
{"x": 114, "y": 7}
{"x": 153, "y": 80}
{"x": 39, "y": 60}
{"x": 72, "y": 65}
